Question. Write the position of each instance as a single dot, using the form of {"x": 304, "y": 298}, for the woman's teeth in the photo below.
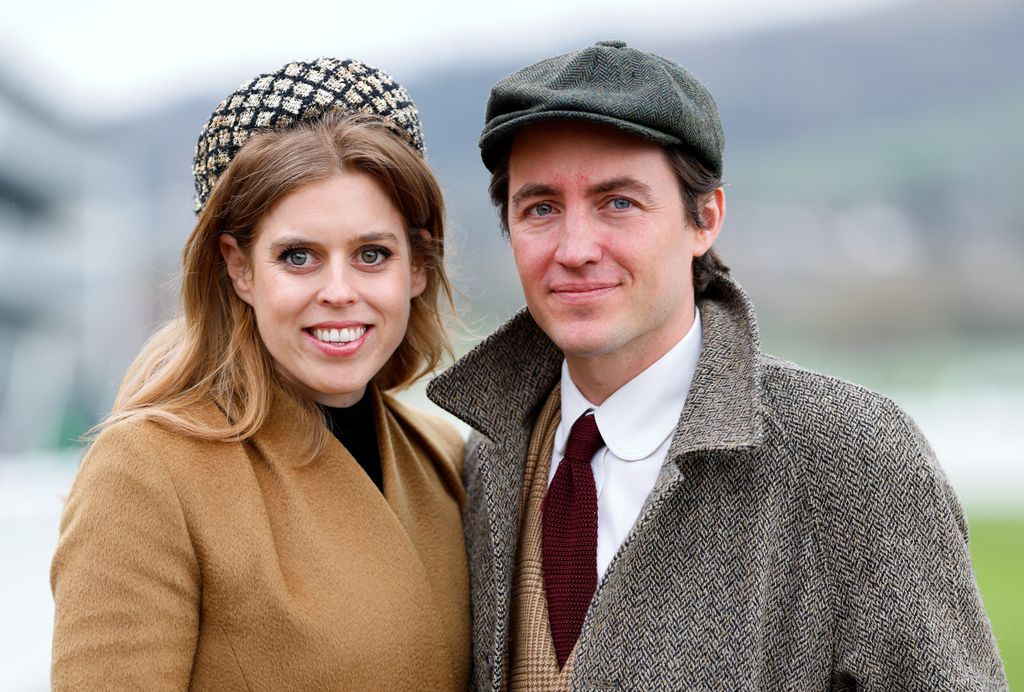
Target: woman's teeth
{"x": 339, "y": 335}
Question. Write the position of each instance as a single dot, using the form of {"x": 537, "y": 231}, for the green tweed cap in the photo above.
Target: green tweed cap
{"x": 608, "y": 82}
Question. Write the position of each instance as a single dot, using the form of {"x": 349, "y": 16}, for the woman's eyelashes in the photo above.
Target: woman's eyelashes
{"x": 367, "y": 256}
{"x": 296, "y": 257}
{"x": 373, "y": 255}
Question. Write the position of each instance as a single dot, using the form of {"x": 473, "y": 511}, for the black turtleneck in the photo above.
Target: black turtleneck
{"x": 355, "y": 430}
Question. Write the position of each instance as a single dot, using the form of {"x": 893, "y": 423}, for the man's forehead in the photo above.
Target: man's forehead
{"x": 589, "y": 152}
{"x": 578, "y": 132}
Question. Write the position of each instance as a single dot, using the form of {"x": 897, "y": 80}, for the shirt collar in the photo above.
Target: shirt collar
{"x": 642, "y": 414}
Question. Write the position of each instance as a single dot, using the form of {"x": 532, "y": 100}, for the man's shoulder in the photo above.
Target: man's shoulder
{"x": 792, "y": 390}
{"x": 842, "y": 433}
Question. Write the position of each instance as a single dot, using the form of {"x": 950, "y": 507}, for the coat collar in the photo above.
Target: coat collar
{"x": 723, "y": 409}
{"x": 284, "y": 436}
{"x": 499, "y": 385}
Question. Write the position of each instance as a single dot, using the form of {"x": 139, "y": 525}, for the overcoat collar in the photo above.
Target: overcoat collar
{"x": 498, "y": 387}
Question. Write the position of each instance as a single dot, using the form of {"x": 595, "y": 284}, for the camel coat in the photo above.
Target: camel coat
{"x": 190, "y": 564}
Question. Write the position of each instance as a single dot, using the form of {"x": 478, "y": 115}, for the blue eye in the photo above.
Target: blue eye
{"x": 296, "y": 257}
{"x": 542, "y": 209}
{"x": 621, "y": 203}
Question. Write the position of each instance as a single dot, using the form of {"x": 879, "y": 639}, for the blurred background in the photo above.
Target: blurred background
{"x": 875, "y": 171}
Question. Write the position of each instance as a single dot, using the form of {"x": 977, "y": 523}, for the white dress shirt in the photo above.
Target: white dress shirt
{"x": 637, "y": 423}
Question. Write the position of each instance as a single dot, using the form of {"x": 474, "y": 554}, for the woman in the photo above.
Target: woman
{"x": 256, "y": 512}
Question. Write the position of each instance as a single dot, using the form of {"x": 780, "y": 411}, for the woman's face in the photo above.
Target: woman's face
{"x": 330, "y": 278}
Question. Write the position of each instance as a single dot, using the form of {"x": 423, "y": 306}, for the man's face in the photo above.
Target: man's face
{"x": 603, "y": 244}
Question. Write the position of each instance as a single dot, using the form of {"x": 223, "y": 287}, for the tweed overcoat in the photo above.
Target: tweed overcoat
{"x": 191, "y": 564}
{"x": 800, "y": 536}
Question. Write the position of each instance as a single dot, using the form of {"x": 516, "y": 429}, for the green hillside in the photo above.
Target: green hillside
{"x": 997, "y": 548}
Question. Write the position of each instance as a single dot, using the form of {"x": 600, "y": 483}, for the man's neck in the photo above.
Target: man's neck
{"x": 599, "y": 376}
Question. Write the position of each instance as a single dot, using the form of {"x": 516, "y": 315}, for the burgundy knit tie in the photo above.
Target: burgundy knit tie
{"x": 569, "y": 537}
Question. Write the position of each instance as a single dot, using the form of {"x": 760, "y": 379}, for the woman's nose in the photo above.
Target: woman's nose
{"x": 337, "y": 288}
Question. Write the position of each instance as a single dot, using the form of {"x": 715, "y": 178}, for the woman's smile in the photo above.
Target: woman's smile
{"x": 331, "y": 280}
{"x": 343, "y": 341}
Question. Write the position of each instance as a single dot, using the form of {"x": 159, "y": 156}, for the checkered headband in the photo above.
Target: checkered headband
{"x": 299, "y": 92}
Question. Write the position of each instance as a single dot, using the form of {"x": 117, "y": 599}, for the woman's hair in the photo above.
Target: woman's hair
{"x": 213, "y": 350}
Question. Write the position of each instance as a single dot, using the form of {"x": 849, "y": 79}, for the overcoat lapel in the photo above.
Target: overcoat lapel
{"x": 723, "y": 409}
{"x": 498, "y": 389}
{"x": 501, "y": 467}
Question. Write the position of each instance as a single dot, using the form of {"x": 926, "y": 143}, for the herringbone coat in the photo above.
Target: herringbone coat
{"x": 801, "y": 535}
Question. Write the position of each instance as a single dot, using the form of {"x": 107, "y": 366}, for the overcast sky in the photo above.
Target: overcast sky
{"x": 111, "y": 56}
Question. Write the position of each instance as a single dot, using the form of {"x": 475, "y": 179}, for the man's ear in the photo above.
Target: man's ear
{"x": 419, "y": 270}
{"x": 712, "y": 214}
{"x": 238, "y": 266}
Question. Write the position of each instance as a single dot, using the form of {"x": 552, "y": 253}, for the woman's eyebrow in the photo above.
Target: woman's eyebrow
{"x": 376, "y": 237}
{"x": 367, "y": 237}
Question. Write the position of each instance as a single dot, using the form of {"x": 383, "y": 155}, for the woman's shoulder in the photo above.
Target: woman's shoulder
{"x": 142, "y": 442}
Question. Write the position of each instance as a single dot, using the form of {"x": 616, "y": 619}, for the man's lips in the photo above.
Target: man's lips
{"x": 582, "y": 292}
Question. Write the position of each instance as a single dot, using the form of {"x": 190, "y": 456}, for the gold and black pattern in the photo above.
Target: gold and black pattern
{"x": 299, "y": 91}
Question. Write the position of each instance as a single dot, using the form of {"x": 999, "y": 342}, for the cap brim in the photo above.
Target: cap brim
{"x": 495, "y": 139}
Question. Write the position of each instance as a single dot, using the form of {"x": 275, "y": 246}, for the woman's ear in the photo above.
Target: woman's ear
{"x": 419, "y": 269}
{"x": 237, "y": 266}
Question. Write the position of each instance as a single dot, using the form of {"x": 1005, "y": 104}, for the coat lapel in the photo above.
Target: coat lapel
{"x": 723, "y": 409}
{"x": 498, "y": 389}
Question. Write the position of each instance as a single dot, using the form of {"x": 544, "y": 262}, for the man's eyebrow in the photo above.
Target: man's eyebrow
{"x": 626, "y": 183}
{"x": 616, "y": 184}
{"x": 532, "y": 190}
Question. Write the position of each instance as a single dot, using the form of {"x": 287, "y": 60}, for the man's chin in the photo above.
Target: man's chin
{"x": 585, "y": 346}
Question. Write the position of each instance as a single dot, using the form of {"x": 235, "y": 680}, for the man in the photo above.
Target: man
{"x": 654, "y": 503}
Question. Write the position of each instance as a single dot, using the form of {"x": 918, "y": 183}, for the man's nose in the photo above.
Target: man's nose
{"x": 579, "y": 242}
{"x": 337, "y": 287}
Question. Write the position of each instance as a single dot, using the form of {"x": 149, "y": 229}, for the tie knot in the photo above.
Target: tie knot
{"x": 584, "y": 439}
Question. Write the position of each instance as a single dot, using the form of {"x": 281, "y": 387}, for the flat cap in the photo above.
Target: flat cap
{"x": 300, "y": 91}
{"x": 609, "y": 82}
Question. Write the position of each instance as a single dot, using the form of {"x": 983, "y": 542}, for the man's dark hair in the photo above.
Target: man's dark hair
{"x": 696, "y": 182}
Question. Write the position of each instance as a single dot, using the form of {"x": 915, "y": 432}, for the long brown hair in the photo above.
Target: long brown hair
{"x": 213, "y": 351}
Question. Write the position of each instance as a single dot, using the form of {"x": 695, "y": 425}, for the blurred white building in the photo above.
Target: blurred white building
{"x": 73, "y": 280}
